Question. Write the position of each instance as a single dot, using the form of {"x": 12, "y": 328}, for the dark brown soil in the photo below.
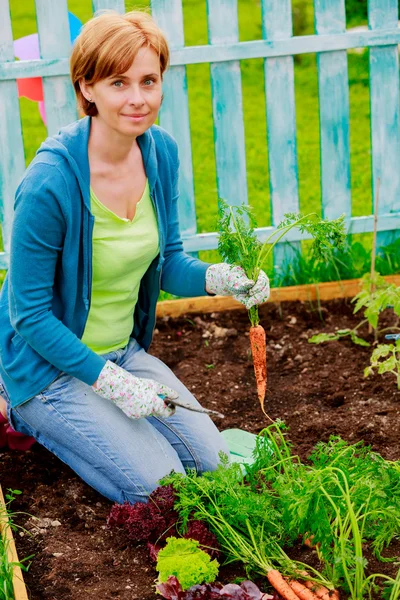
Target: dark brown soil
{"x": 316, "y": 390}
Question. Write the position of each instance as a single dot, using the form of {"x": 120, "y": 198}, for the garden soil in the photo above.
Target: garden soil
{"x": 317, "y": 390}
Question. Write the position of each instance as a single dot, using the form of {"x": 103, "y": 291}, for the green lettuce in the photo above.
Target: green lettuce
{"x": 184, "y": 559}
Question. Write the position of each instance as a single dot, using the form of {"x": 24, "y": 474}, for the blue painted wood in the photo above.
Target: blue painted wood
{"x": 304, "y": 44}
{"x": 118, "y": 5}
{"x": 226, "y": 87}
{"x": 174, "y": 114}
{"x": 223, "y": 52}
{"x": 12, "y": 160}
{"x": 281, "y": 119}
{"x": 233, "y": 51}
{"x": 54, "y": 42}
{"x": 208, "y": 241}
{"x": 330, "y": 17}
{"x": 34, "y": 68}
{"x": 385, "y": 132}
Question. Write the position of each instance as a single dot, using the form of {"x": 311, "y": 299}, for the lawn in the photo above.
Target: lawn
{"x": 24, "y": 23}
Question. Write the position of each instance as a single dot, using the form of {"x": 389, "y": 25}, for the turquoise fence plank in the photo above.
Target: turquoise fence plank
{"x": 34, "y": 68}
{"x": 54, "y": 42}
{"x": 226, "y": 86}
{"x": 12, "y": 160}
{"x": 330, "y": 18}
{"x": 384, "y": 82}
{"x": 208, "y": 241}
{"x": 174, "y": 113}
{"x": 224, "y": 52}
{"x": 304, "y": 44}
{"x": 118, "y": 5}
{"x": 235, "y": 51}
{"x": 281, "y": 120}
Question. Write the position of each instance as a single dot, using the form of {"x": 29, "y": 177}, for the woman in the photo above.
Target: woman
{"x": 95, "y": 235}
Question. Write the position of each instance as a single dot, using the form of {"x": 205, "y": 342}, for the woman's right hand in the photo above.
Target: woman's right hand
{"x": 135, "y": 396}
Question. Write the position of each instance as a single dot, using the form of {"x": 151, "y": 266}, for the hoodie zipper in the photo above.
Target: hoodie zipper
{"x": 88, "y": 295}
{"x": 161, "y": 259}
{"x": 160, "y": 235}
{"x": 155, "y": 320}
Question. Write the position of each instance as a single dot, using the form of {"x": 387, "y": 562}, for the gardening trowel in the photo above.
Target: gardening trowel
{"x": 199, "y": 409}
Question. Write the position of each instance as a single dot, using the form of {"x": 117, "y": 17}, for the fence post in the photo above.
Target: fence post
{"x": 12, "y": 160}
{"x": 281, "y": 120}
{"x": 226, "y": 84}
{"x": 384, "y": 84}
{"x": 118, "y": 5}
{"x": 54, "y": 41}
{"x": 330, "y": 18}
{"x": 174, "y": 113}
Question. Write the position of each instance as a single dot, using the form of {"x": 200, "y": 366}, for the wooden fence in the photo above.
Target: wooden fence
{"x": 224, "y": 52}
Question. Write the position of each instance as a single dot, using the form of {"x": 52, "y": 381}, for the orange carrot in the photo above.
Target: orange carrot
{"x": 322, "y": 592}
{"x": 301, "y": 590}
{"x": 309, "y": 541}
{"x": 280, "y": 585}
{"x": 258, "y": 344}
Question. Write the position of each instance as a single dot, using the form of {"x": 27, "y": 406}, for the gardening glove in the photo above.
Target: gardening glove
{"x": 135, "y": 396}
{"x": 228, "y": 280}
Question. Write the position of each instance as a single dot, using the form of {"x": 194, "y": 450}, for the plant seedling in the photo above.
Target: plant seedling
{"x": 386, "y": 358}
{"x": 374, "y": 299}
{"x": 238, "y": 245}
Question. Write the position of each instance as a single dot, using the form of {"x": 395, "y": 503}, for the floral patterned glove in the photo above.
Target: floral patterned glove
{"x": 135, "y": 396}
{"x": 228, "y": 280}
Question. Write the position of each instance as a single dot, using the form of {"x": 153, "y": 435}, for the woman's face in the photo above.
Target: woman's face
{"x": 129, "y": 103}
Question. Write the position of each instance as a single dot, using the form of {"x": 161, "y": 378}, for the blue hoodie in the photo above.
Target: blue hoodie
{"x": 45, "y": 298}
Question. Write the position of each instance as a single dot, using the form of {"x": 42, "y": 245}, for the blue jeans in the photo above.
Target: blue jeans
{"x": 121, "y": 458}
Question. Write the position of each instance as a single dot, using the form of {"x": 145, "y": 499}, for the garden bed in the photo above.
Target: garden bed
{"x": 316, "y": 390}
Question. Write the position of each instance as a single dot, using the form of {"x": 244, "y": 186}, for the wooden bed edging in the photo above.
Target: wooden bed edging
{"x": 20, "y": 592}
{"x": 322, "y": 291}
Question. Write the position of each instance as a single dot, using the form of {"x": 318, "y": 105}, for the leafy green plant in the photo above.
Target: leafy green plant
{"x": 238, "y": 243}
{"x": 339, "y": 334}
{"x": 350, "y": 261}
{"x": 386, "y": 359}
{"x": 7, "y": 567}
{"x": 392, "y": 587}
{"x": 345, "y": 497}
{"x": 247, "y": 520}
{"x": 376, "y": 295}
{"x": 184, "y": 559}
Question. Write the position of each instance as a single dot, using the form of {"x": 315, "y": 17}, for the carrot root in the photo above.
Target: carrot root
{"x": 258, "y": 345}
{"x": 319, "y": 590}
{"x": 301, "y": 590}
{"x": 308, "y": 541}
{"x": 280, "y": 585}
{"x": 323, "y": 593}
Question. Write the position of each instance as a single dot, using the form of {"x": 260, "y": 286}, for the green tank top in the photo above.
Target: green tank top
{"x": 122, "y": 252}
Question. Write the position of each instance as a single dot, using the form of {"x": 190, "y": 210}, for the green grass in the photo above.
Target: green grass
{"x": 306, "y": 90}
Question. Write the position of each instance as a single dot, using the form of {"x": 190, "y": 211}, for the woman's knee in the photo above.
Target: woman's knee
{"x": 139, "y": 489}
{"x": 213, "y": 453}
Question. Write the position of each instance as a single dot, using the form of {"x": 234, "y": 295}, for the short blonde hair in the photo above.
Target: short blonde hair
{"x": 108, "y": 45}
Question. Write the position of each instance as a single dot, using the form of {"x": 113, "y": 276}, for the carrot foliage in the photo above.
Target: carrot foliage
{"x": 238, "y": 242}
{"x": 344, "y": 498}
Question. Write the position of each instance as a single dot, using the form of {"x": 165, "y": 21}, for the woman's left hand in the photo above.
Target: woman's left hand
{"x": 228, "y": 280}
